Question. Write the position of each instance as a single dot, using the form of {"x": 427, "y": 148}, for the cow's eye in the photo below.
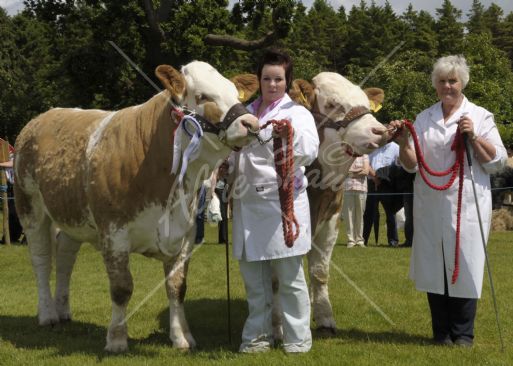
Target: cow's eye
{"x": 202, "y": 98}
{"x": 330, "y": 106}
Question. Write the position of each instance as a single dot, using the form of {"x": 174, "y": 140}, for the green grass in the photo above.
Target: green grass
{"x": 364, "y": 337}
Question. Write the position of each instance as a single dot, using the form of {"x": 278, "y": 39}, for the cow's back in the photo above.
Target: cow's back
{"x": 51, "y": 163}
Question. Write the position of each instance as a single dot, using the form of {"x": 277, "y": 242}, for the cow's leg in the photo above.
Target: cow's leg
{"x": 176, "y": 287}
{"x": 37, "y": 231}
{"x": 318, "y": 266}
{"x": 67, "y": 250}
{"x": 277, "y": 318}
{"x": 121, "y": 287}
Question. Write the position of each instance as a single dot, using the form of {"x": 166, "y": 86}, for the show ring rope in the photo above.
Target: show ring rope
{"x": 457, "y": 169}
{"x": 284, "y": 163}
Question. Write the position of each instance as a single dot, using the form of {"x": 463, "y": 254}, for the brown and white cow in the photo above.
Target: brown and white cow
{"x": 346, "y": 129}
{"x": 104, "y": 178}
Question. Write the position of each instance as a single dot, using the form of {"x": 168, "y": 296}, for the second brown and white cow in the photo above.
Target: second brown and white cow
{"x": 342, "y": 111}
{"x": 104, "y": 178}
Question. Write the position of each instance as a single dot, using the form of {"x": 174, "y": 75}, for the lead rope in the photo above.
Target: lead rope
{"x": 285, "y": 170}
{"x": 457, "y": 169}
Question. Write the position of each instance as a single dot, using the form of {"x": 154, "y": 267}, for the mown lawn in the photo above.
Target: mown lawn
{"x": 364, "y": 337}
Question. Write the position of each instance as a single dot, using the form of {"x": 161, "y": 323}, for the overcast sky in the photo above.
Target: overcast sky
{"x": 13, "y": 6}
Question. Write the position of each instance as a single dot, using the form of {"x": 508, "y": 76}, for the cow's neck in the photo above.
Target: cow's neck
{"x": 325, "y": 190}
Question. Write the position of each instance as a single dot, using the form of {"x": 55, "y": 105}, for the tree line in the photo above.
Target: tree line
{"x": 56, "y": 53}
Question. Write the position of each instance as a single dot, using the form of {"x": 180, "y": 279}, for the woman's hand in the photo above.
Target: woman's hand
{"x": 466, "y": 125}
{"x": 281, "y": 130}
{"x": 402, "y": 133}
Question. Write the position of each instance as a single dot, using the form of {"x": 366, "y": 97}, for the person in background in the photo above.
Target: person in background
{"x": 452, "y": 296}
{"x": 355, "y": 195}
{"x": 381, "y": 161}
{"x": 258, "y": 241}
{"x": 15, "y": 228}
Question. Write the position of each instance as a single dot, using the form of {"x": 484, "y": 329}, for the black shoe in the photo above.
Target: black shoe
{"x": 444, "y": 341}
{"x": 393, "y": 243}
{"x": 464, "y": 342}
{"x": 406, "y": 244}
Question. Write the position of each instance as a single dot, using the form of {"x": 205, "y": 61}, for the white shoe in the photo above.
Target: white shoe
{"x": 351, "y": 245}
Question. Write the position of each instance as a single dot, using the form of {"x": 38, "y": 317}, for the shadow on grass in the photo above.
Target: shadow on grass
{"x": 207, "y": 320}
{"x": 389, "y": 337}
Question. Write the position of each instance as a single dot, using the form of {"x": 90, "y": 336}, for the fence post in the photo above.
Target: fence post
{"x": 4, "y": 157}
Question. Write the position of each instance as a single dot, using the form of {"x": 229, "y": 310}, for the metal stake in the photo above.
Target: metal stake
{"x": 469, "y": 161}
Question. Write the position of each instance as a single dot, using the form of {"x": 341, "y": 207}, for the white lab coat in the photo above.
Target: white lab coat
{"x": 257, "y": 225}
{"x": 434, "y": 212}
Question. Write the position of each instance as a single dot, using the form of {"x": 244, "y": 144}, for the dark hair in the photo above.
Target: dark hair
{"x": 277, "y": 57}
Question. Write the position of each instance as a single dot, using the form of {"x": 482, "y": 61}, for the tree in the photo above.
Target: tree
{"x": 419, "y": 32}
{"x": 256, "y": 12}
{"x": 12, "y": 84}
{"x": 491, "y": 80}
{"x": 449, "y": 29}
{"x": 476, "y": 23}
{"x": 373, "y": 32}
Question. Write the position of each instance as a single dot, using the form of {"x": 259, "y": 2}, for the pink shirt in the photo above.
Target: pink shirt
{"x": 357, "y": 183}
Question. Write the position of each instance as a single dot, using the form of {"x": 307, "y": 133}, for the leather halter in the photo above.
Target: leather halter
{"x": 354, "y": 113}
{"x": 219, "y": 128}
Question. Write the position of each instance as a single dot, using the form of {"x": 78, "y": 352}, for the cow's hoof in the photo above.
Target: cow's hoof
{"x": 116, "y": 346}
{"x": 278, "y": 333}
{"x": 48, "y": 318}
{"x": 190, "y": 340}
{"x": 64, "y": 316}
{"x": 182, "y": 344}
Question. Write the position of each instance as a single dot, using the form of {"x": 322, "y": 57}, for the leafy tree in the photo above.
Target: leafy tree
{"x": 373, "y": 33}
{"x": 491, "y": 79}
{"x": 12, "y": 86}
{"x": 492, "y": 18}
{"x": 406, "y": 82}
{"x": 419, "y": 31}
{"x": 476, "y": 23}
{"x": 449, "y": 29}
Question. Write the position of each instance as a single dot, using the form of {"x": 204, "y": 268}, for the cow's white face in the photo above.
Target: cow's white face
{"x": 212, "y": 95}
{"x": 335, "y": 96}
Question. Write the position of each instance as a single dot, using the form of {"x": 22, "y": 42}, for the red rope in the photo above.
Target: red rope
{"x": 456, "y": 170}
{"x": 285, "y": 169}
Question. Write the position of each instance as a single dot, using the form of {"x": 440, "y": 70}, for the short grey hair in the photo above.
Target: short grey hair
{"x": 451, "y": 65}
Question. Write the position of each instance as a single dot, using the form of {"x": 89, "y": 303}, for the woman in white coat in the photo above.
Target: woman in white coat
{"x": 453, "y": 306}
{"x": 258, "y": 240}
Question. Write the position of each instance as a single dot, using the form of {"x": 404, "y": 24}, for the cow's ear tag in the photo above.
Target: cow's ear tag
{"x": 241, "y": 96}
{"x": 375, "y": 107}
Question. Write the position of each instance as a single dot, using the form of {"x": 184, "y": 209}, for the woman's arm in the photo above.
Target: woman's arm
{"x": 407, "y": 154}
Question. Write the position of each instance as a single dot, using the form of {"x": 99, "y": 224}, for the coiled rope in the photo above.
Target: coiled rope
{"x": 457, "y": 169}
{"x": 284, "y": 163}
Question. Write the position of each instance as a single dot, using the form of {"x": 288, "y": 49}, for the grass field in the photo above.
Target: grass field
{"x": 364, "y": 337}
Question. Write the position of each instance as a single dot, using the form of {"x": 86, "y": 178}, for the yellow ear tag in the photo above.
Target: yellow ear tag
{"x": 374, "y": 107}
{"x": 303, "y": 99}
{"x": 241, "y": 95}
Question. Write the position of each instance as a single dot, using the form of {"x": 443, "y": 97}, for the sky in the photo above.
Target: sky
{"x": 399, "y": 6}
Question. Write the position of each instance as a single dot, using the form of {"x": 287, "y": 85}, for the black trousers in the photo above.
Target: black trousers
{"x": 371, "y": 214}
{"x": 452, "y": 317}
{"x": 408, "y": 214}
{"x": 15, "y": 229}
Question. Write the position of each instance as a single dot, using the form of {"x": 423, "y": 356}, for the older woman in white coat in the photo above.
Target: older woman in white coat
{"x": 258, "y": 240}
{"x": 453, "y": 305}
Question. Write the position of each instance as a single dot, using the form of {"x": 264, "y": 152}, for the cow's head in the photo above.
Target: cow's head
{"x": 346, "y": 108}
{"x": 342, "y": 113}
{"x": 215, "y": 100}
